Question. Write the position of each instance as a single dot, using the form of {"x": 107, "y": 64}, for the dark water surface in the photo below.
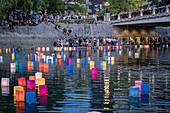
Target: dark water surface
{"x": 78, "y": 93}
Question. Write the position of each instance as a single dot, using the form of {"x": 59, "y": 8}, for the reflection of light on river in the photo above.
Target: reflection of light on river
{"x": 129, "y": 77}
{"x": 106, "y": 89}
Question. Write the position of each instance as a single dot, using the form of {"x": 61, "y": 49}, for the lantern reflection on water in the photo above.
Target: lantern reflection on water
{"x": 43, "y": 100}
{"x": 20, "y": 107}
{"x": 5, "y": 90}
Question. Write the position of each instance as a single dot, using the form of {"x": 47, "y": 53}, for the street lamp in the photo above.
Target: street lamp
{"x": 106, "y": 5}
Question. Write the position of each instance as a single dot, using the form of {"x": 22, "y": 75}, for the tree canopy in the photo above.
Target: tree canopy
{"x": 117, "y": 6}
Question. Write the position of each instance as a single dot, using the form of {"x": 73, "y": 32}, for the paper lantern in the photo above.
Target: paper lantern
{"x": 22, "y": 81}
{"x": 104, "y": 65}
{"x": 32, "y": 78}
{"x": 13, "y": 56}
{"x": 43, "y": 89}
{"x": 70, "y": 69}
{"x": 91, "y": 64}
{"x": 77, "y": 50}
{"x": 17, "y": 88}
{"x": 29, "y": 63}
{"x": 20, "y": 95}
{"x": 30, "y": 84}
{"x": 87, "y": 48}
{"x": 138, "y": 84}
{"x": 0, "y": 51}
{"x": 101, "y": 65}
{"x": 17, "y": 57}
{"x": 66, "y": 61}
{"x": 83, "y": 63}
{"x": 41, "y": 81}
{"x": 145, "y": 89}
{"x": 94, "y": 71}
{"x": 69, "y": 61}
{"x": 31, "y": 97}
{"x": 145, "y": 99}
{"x": 42, "y": 60}
{"x": 13, "y": 70}
{"x": 136, "y": 55}
{"x": 49, "y": 61}
{"x": 41, "y": 67}
{"x": 167, "y": 45}
{"x": 26, "y": 57}
{"x": 134, "y": 101}
{"x": 53, "y": 57}
{"x": 59, "y": 62}
{"x": 43, "y": 100}
{"x": 134, "y": 91}
{"x": 78, "y": 60}
{"x": 78, "y": 65}
{"x": 4, "y": 81}
{"x": 37, "y": 76}
{"x": 6, "y": 50}
{"x": 56, "y": 61}
{"x": 12, "y": 65}
{"x": 33, "y": 58}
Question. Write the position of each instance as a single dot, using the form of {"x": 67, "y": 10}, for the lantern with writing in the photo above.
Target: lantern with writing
{"x": 17, "y": 88}
{"x": 22, "y": 81}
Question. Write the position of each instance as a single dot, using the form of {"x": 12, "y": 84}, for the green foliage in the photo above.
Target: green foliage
{"x": 100, "y": 12}
{"x": 117, "y": 6}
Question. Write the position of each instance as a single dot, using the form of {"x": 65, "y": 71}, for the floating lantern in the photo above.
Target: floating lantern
{"x": 94, "y": 77}
{"x": 17, "y": 88}
{"x": 94, "y": 71}
{"x": 59, "y": 62}
{"x": 136, "y": 46}
{"x": 145, "y": 89}
{"x": 17, "y": 65}
{"x": 69, "y": 61}
{"x": 31, "y": 97}
{"x": 37, "y": 76}
{"x": 91, "y": 64}
{"x": 77, "y": 50}
{"x": 134, "y": 101}
{"x": 134, "y": 91}
{"x": 138, "y": 84}
{"x": 29, "y": 63}
{"x": 56, "y": 61}
{"x": 20, "y": 68}
{"x": 13, "y": 56}
{"x": 6, "y": 50}
{"x": 1, "y": 59}
{"x": 104, "y": 65}
{"x": 33, "y": 58}
{"x": 20, "y": 95}
{"x": 41, "y": 67}
{"x": 17, "y": 57}
{"x": 66, "y": 61}
{"x": 41, "y": 81}
{"x": 22, "y": 81}
{"x": 101, "y": 65}
{"x": 43, "y": 89}
{"x": 32, "y": 78}
{"x": 49, "y": 61}
{"x": 88, "y": 59}
{"x": 87, "y": 48}
{"x": 78, "y": 61}
{"x": 153, "y": 46}
{"x": 42, "y": 60}
{"x": 20, "y": 106}
{"x": 53, "y": 57}
{"x": 136, "y": 55}
{"x": 12, "y": 65}
{"x": 131, "y": 46}
{"x": 83, "y": 63}
{"x": 4, "y": 81}
{"x": 167, "y": 45}
{"x": 9, "y": 50}
{"x": 26, "y": 57}
{"x": 30, "y": 84}
{"x": 108, "y": 60}
{"x": 120, "y": 52}
{"x": 78, "y": 65}
{"x": 0, "y": 51}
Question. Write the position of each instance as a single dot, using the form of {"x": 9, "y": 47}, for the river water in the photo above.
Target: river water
{"x": 108, "y": 93}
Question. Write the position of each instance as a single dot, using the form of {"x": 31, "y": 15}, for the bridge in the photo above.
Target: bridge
{"x": 160, "y": 19}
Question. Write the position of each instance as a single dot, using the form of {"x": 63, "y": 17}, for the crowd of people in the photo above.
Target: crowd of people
{"x": 79, "y": 42}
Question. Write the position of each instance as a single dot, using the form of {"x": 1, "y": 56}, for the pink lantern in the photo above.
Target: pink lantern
{"x": 110, "y": 47}
{"x": 93, "y": 112}
{"x": 153, "y": 45}
{"x": 43, "y": 89}
{"x": 138, "y": 84}
{"x": 143, "y": 46}
{"x": 30, "y": 84}
{"x": 94, "y": 77}
{"x": 69, "y": 61}
{"x": 40, "y": 48}
{"x": 94, "y": 71}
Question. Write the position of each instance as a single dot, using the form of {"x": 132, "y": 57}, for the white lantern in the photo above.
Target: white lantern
{"x": 4, "y": 81}
{"x": 136, "y": 55}
{"x": 1, "y": 59}
{"x": 43, "y": 49}
{"x": 12, "y": 65}
{"x": 37, "y": 76}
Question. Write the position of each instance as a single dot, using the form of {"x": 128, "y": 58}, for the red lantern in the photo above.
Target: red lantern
{"x": 22, "y": 81}
{"x": 59, "y": 62}
{"x": 41, "y": 67}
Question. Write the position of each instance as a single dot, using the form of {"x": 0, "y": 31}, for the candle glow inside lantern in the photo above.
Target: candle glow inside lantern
{"x": 41, "y": 81}
{"x": 31, "y": 97}
{"x": 69, "y": 61}
{"x": 30, "y": 84}
{"x": 91, "y": 65}
{"x": 17, "y": 88}
{"x": 134, "y": 91}
{"x": 4, "y": 81}
{"x": 43, "y": 89}
{"x": 104, "y": 65}
{"x": 22, "y": 81}
{"x": 78, "y": 61}
{"x": 37, "y": 76}
{"x": 20, "y": 95}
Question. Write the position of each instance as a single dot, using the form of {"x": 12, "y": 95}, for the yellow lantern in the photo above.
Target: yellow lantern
{"x": 41, "y": 81}
{"x": 91, "y": 65}
{"x": 78, "y": 61}
{"x": 104, "y": 65}
{"x": 17, "y": 88}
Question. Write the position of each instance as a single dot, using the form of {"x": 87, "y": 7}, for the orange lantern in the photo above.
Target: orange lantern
{"x": 9, "y": 50}
{"x": 31, "y": 56}
{"x": 46, "y": 68}
{"x": 29, "y": 69}
{"x": 32, "y": 78}
{"x": 17, "y": 88}
{"x": 22, "y": 81}
{"x": 0, "y": 50}
{"x": 29, "y": 63}
{"x": 41, "y": 67}
{"x": 58, "y": 54}
{"x": 87, "y": 48}
{"x": 20, "y": 95}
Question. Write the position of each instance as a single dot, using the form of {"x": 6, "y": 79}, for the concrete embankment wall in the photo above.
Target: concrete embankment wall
{"x": 45, "y": 34}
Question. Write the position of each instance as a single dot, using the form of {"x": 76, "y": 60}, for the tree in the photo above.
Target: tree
{"x": 100, "y": 12}
{"x": 117, "y": 6}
